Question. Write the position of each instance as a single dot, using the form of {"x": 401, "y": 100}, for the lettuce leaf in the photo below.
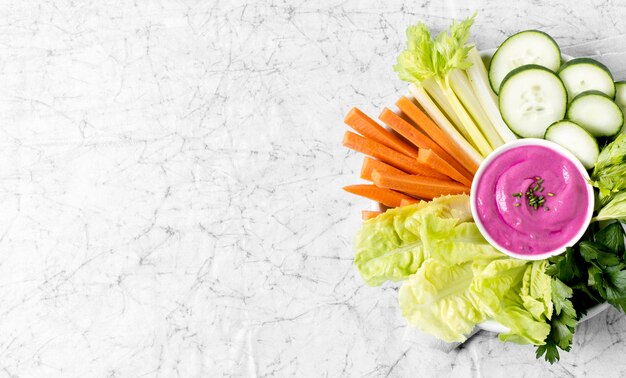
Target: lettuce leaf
{"x": 437, "y": 300}
{"x": 615, "y": 208}
{"x": 609, "y": 173}
{"x": 454, "y": 279}
{"x": 390, "y": 247}
{"x": 516, "y": 293}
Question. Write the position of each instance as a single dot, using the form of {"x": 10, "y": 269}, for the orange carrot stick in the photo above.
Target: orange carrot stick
{"x": 370, "y": 164}
{"x": 389, "y": 156}
{"x": 431, "y": 159}
{"x": 368, "y": 214}
{"x": 367, "y": 127}
{"x": 414, "y": 136}
{"x": 424, "y": 187}
{"x": 387, "y": 197}
{"x": 404, "y": 202}
{"x": 425, "y": 123}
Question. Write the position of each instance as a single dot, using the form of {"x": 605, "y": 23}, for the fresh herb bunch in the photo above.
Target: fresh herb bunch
{"x": 591, "y": 272}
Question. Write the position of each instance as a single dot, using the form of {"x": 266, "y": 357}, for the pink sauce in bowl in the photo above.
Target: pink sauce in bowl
{"x": 531, "y": 199}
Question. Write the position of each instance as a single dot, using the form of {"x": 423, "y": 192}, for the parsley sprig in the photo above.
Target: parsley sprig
{"x": 591, "y": 272}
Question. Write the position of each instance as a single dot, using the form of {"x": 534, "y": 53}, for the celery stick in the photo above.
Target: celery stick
{"x": 465, "y": 92}
{"x": 477, "y": 74}
{"x": 427, "y": 58}
{"x": 434, "y": 91}
{"x": 447, "y": 100}
{"x": 476, "y": 137}
{"x": 419, "y": 93}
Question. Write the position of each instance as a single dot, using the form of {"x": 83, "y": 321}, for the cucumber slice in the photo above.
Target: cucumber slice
{"x": 526, "y": 47}
{"x": 620, "y": 98}
{"x": 597, "y": 113}
{"x": 575, "y": 139}
{"x": 584, "y": 74}
{"x": 531, "y": 99}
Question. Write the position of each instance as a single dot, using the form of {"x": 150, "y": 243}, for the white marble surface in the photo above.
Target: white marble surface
{"x": 171, "y": 176}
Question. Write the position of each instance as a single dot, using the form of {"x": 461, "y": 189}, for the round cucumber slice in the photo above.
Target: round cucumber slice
{"x": 620, "y": 97}
{"x": 576, "y": 140}
{"x": 597, "y": 113}
{"x": 584, "y": 74}
{"x": 526, "y": 47}
{"x": 531, "y": 99}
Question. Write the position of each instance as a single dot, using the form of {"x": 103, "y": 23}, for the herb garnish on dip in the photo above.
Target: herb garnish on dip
{"x": 532, "y": 198}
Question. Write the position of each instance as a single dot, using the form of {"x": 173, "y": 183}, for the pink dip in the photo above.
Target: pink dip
{"x": 523, "y": 229}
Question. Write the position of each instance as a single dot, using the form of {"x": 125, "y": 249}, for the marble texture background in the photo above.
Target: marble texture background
{"x": 171, "y": 175}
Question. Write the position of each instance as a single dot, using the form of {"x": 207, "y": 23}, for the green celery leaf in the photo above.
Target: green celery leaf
{"x": 415, "y": 63}
{"x": 425, "y": 58}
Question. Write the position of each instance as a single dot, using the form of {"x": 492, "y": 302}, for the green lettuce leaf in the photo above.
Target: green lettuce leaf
{"x": 437, "y": 300}
{"x": 390, "y": 247}
{"x": 536, "y": 291}
{"x": 516, "y": 293}
{"x": 609, "y": 173}
{"x": 454, "y": 279}
{"x": 615, "y": 208}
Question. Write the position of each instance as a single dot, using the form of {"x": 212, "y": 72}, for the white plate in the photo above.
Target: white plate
{"x": 492, "y": 325}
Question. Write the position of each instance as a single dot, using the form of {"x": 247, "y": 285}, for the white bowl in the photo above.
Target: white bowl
{"x": 531, "y": 142}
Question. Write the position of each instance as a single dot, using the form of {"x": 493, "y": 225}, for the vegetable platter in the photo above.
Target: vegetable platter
{"x": 500, "y": 186}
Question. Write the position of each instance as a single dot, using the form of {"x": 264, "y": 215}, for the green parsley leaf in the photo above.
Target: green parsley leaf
{"x": 592, "y": 251}
{"x": 550, "y": 350}
{"x": 562, "y": 324}
{"x": 612, "y": 237}
{"x": 615, "y": 283}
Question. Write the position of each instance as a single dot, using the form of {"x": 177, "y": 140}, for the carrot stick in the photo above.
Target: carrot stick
{"x": 431, "y": 159}
{"x": 367, "y": 127}
{"x": 387, "y": 197}
{"x": 389, "y": 156}
{"x": 368, "y": 214}
{"x": 404, "y": 202}
{"x": 414, "y": 136}
{"x": 370, "y": 164}
{"x": 424, "y": 187}
{"x": 423, "y": 121}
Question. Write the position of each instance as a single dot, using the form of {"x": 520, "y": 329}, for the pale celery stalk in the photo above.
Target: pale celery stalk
{"x": 477, "y": 74}
{"x": 440, "y": 119}
{"x": 426, "y": 58}
{"x": 463, "y": 88}
{"x": 476, "y": 137}
{"x": 448, "y": 100}
{"x": 434, "y": 91}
